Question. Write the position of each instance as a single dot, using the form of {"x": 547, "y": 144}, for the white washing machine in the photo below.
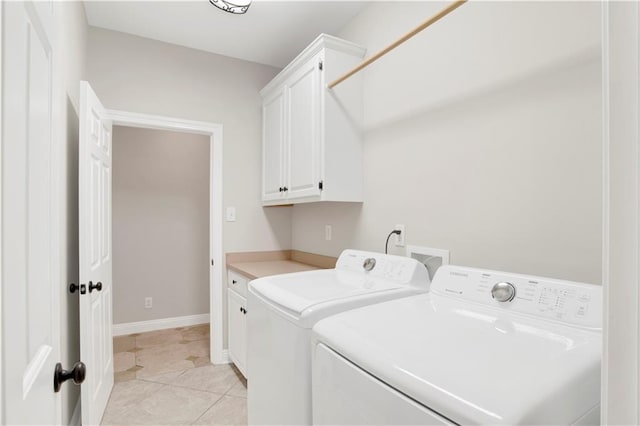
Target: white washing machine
{"x": 282, "y": 310}
{"x": 482, "y": 347}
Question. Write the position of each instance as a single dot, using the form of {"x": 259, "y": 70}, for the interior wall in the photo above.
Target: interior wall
{"x": 621, "y": 352}
{"x": 482, "y": 135}
{"x": 160, "y": 224}
{"x": 71, "y": 60}
{"x": 140, "y": 75}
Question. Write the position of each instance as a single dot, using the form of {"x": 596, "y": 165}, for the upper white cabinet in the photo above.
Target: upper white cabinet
{"x": 273, "y": 145}
{"x": 311, "y": 145}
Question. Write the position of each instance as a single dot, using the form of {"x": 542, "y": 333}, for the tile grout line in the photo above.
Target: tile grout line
{"x": 225, "y": 393}
{"x": 205, "y": 411}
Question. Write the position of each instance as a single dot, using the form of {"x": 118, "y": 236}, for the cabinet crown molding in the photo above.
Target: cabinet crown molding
{"x": 321, "y": 42}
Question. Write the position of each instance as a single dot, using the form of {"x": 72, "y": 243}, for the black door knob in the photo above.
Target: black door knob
{"x": 75, "y": 287}
{"x": 96, "y": 286}
{"x": 77, "y": 374}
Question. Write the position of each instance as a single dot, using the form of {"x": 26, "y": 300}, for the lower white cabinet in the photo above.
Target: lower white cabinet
{"x": 237, "y": 320}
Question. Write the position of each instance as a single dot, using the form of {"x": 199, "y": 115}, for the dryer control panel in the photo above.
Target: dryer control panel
{"x": 567, "y": 301}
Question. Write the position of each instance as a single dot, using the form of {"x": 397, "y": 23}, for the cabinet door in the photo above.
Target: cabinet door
{"x": 237, "y": 330}
{"x": 273, "y": 146}
{"x": 304, "y": 138}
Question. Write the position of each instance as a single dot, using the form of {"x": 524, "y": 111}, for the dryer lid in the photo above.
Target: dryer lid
{"x": 473, "y": 364}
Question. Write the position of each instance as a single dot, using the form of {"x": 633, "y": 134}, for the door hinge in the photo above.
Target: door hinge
{"x": 320, "y": 65}
{"x": 321, "y": 185}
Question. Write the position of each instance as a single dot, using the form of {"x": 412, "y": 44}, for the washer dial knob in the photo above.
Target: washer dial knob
{"x": 503, "y": 292}
{"x": 369, "y": 263}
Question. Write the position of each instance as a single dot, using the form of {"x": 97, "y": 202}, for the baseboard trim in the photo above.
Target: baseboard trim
{"x": 159, "y": 324}
{"x": 223, "y": 358}
{"x": 76, "y": 417}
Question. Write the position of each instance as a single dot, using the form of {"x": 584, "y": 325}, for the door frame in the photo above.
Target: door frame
{"x": 620, "y": 211}
{"x": 2, "y": 400}
{"x": 216, "y": 278}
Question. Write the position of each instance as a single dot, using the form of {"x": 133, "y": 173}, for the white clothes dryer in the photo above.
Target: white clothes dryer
{"x": 282, "y": 310}
{"x": 483, "y": 347}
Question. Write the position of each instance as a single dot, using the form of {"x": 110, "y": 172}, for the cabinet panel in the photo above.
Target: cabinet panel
{"x": 273, "y": 147}
{"x": 237, "y": 321}
{"x": 303, "y": 172}
{"x": 237, "y": 283}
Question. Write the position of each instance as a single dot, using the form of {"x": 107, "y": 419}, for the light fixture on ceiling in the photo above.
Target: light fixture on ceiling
{"x": 237, "y": 7}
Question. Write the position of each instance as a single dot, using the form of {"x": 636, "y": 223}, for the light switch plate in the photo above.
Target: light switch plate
{"x": 231, "y": 214}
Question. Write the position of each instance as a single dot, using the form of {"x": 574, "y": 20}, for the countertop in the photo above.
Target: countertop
{"x": 263, "y": 264}
{"x": 255, "y": 270}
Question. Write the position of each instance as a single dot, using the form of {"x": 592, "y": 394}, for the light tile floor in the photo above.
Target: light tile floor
{"x": 164, "y": 377}
{"x": 157, "y": 352}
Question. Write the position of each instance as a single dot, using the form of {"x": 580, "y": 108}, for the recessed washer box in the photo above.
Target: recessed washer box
{"x": 431, "y": 258}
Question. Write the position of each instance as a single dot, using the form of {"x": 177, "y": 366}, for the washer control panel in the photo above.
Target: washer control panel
{"x": 559, "y": 300}
{"x": 383, "y": 266}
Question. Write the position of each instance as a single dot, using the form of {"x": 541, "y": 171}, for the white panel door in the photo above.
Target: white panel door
{"x": 30, "y": 275}
{"x": 273, "y": 128}
{"x": 94, "y": 197}
{"x": 303, "y": 174}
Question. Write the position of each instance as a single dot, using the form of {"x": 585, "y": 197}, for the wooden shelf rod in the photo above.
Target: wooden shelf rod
{"x": 435, "y": 18}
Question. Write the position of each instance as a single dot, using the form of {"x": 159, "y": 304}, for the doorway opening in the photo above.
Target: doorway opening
{"x": 160, "y": 228}
{"x": 167, "y": 226}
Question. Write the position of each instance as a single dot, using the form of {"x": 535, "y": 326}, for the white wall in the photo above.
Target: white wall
{"x": 160, "y": 224}
{"x": 145, "y": 76}
{"x": 482, "y": 135}
{"x": 72, "y": 30}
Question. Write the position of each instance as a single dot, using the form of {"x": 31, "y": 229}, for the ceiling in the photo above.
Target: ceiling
{"x": 271, "y": 32}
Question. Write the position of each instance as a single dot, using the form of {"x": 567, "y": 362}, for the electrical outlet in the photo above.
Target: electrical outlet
{"x": 327, "y": 232}
{"x": 400, "y": 239}
{"x": 148, "y": 302}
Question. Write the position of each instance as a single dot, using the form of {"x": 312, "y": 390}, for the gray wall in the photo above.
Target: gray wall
{"x": 160, "y": 224}
{"x": 140, "y": 75}
{"x": 71, "y": 57}
{"x": 482, "y": 135}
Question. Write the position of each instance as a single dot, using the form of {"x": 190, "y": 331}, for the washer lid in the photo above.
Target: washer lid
{"x": 358, "y": 275}
{"x": 295, "y": 293}
{"x": 470, "y": 363}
